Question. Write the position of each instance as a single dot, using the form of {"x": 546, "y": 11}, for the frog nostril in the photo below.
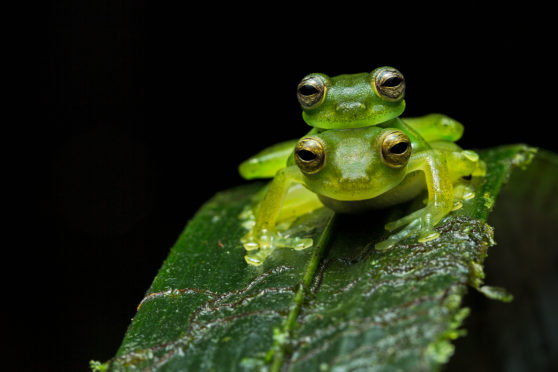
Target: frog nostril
{"x": 355, "y": 180}
{"x": 350, "y": 106}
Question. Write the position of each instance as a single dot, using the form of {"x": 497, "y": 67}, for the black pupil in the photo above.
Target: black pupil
{"x": 399, "y": 148}
{"x": 392, "y": 82}
{"x": 306, "y": 155}
{"x": 308, "y": 90}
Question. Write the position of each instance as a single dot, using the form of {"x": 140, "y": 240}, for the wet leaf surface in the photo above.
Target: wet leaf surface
{"x": 340, "y": 305}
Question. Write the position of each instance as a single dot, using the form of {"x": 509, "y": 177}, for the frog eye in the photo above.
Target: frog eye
{"x": 311, "y": 91}
{"x": 389, "y": 84}
{"x": 309, "y": 155}
{"x": 396, "y": 148}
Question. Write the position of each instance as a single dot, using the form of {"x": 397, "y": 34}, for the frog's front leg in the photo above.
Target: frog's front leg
{"x": 440, "y": 200}
{"x": 263, "y": 236}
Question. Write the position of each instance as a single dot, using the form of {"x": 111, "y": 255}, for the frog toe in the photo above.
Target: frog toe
{"x": 391, "y": 226}
{"x": 249, "y": 242}
{"x": 428, "y": 235}
{"x": 260, "y": 245}
{"x": 256, "y": 258}
{"x": 384, "y": 245}
{"x": 419, "y": 226}
{"x": 393, "y": 239}
{"x": 295, "y": 243}
{"x": 463, "y": 191}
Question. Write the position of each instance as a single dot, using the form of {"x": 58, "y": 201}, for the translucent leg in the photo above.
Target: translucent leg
{"x": 439, "y": 204}
{"x": 447, "y": 192}
{"x": 283, "y": 201}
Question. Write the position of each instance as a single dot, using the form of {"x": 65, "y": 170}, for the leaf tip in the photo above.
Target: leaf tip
{"x": 496, "y": 293}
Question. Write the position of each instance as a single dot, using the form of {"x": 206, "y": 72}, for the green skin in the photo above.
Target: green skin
{"x": 350, "y": 123}
{"x": 351, "y": 102}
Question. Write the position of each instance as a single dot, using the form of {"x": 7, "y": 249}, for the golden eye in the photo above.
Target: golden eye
{"x": 396, "y": 149}
{"x": 309, "y": 155}
{"x": 389, "y": 84}
{"x": 311, "y": 91}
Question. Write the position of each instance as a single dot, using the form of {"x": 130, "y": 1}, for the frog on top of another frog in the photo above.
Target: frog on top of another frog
{"x": 359, "y": 155}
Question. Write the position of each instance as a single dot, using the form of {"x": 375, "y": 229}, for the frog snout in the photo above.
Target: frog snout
{"x": 350, "y": 106}
{"x": 364, "y": 179}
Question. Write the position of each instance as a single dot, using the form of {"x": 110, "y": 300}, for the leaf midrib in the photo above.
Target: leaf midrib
{"x": 278, "y": 349}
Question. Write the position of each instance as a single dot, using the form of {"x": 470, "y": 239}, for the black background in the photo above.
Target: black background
{"x": 146, "y": 110}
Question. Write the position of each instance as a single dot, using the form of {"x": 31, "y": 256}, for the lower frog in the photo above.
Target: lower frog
{"x": 350, "y": 170}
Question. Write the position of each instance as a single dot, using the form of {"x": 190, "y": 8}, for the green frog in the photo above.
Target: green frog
{"x": 366, "y": 99}
{"x": 359, "y": 155}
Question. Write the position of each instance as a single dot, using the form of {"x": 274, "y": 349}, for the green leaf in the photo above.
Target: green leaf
{"x": 340, "y": 305}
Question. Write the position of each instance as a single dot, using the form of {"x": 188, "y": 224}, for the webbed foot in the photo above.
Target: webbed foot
{"x": 419, "y": 223}
{"x": 261, "y": 244}
{"x": 462, "y": 192}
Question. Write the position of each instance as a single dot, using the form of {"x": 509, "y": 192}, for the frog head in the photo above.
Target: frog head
{"x": 353, "y": 164}
{"x": 352, "y": 100}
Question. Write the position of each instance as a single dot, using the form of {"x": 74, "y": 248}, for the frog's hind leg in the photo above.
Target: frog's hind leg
{"x": 466, "y": 164}
{"x": 436, "y": 127}
{"x": 267, "y": 162}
